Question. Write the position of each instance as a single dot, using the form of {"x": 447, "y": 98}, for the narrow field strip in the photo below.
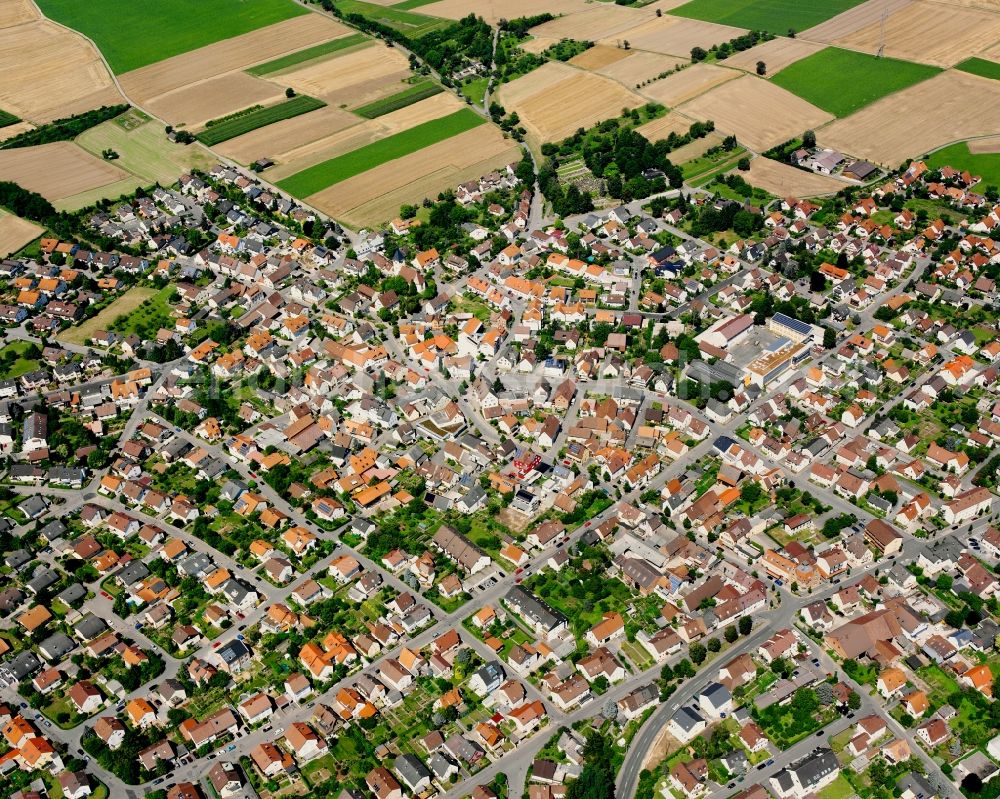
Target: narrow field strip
{"x": 238, "y": 125}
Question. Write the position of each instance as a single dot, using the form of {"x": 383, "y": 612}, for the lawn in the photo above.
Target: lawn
{"x": 776, "y": 16}
{"x": 13, "y": 362}
{"x": 840, "y": 788}
{"x": 132, "y": 35}
{"x": 408, "y": 96}
{"x": 144, "y": 149}
{"x": 309, "y": 54}
{"x": 986, "y": 165}
{"x": 981, "y": 67}
{"x": 396, "y": 17}
{"x": 218, "y": 131}
{"x": 842, "y": 81}
{"x": 123, "y": 306}
{"x": 318, "y": 177}
{"x": 475, "y": 89}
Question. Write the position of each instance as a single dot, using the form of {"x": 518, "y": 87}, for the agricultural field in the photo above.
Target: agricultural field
{"x": 783, "y": 180}
{"x": 47, "y": 72}
{"x": 639, "y": 66}
{"x": 958, "y": 34}
{"x": 676, "y": 36}
{"x": 144, "y": 149}
{"x": 350, "y": 78}
{"x": 58, "y": 170}
{"x": 981, "y": 67}
{"x": 218, "y": 131}
{"x": 585, "y": 99}
{"x": 757, "y": 112}
{"x": 597, "y": 57}
{"x": 950, "y": 109}
{"x": 843, "y": 81}
{"x": 409, "y": 23}
{"x": 688, "y": 83}
{"x": 279, "y": 140}
{"x": 183, "y": 74}
{"x": 394, "y": 102}
{"x": 327, "y": 173}
{"x": 776, "y": 54}
{"x": 309, "y": 54}
{"x": 193, "y": 106}
{"x": 374, "y": 197}
{"x": 776, "y": 16}
{"x": 661, "y": 128}
{"x": 347, "y": 132}
{"x": 7, "y": 119}
{"x": 598, "y": 21}
{"x": 984, "y": 164}
{"x": 132, "y": 35}
{"x": 16, "y": 233}
{"x": 492, "y": 12}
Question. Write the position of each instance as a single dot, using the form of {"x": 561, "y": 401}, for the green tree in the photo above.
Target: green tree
{"x": 746, "y": 625}
{"x": 697, "y": 653}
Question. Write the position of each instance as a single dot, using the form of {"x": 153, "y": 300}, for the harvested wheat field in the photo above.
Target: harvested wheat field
{"x": 15, "y": 233}
{"x": 584, "y": 100}
{"x": 688, "y": 83}
{"x": 48, "y": 72}
{"x": 17, "y": 12}
{"x": 193, "y": 106}
{"x": 950, "y": 108}
{"x": 57, "y": 170}
{"x": 276, "y": 140}
{"x": 228, "y": 55}
{"x": 375, "y": 196}
{"x": 958, "y": 33}
{"x": 783, "y": 180}
{"x": 353, "y": 78}
{"x": 661, "y": 128}
{"x": 598, "y": 21}
{"x": 10, "y": 131}
{"x": 640, "y": 66}
{"x": 776, "y": 54}
{"x": 676, "y": 36}
{"x": 991, "y": 144}
{"x": 600, "y": 56}
{"x": 536, "y": 44}
{"x": 757, "y": 112}
{"x": 695, "y": 149}
{"x": 493, "y": 10}
{"x": 300, "y": 157}
{"x": 854, "y": 19}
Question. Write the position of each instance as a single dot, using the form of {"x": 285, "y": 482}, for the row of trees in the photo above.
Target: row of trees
{"x": 64, "y": 129}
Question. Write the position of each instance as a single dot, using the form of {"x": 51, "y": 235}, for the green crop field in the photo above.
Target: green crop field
{"x": 310, "y": 53}
{"x": 842, "y": 81}
{"x": 134, "y": 34}
{"x": 235, "y": 126}
{"x": 986, "y": 165}
{"x": 6, "y": 118}
{"x": 776, "y": 16}
{"x": 318, "y": 177}
{"x": 409, "y": 96}
{"x": 406, "y": 22}
{"x": 408, "y": 4}
{"x": 981, "y": 67}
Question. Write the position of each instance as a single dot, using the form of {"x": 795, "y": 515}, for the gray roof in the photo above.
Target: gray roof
{"x": 90, "y": 627}
{"x": 532, "y": 608}
{"x": 687, "y": 718}
{"x": 56, "y": 647}
{"x": 411, "y": 770}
